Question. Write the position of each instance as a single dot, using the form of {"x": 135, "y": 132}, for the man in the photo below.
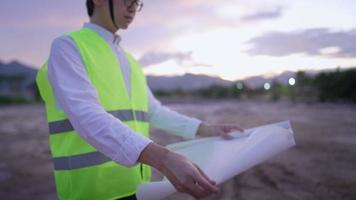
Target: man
{"x": 99, "y": 109}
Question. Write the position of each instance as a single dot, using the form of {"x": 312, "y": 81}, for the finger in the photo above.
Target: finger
{"x": 185, "y": 187}
{"x": 236, "y": 127}
{"x": 205, "y": 184}
{"x": 177, "y": 185}
{"x": 227, "y": 136}
{"x": 230, "y": 128}
{"x": 205, "y": 176}
{"x": 195, "y": 190}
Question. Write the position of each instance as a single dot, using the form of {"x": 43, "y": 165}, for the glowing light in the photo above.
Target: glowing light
{"x": 267, "y": 86}
{"x": 239, "y": 86}
{"x": 291, "y": 81}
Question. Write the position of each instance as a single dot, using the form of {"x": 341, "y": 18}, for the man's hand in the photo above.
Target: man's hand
{"x": 183, "y": 174}
{"x": 206, "y": 130}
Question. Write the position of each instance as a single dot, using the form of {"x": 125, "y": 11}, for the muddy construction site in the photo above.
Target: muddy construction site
{"x": 321, "y": 166}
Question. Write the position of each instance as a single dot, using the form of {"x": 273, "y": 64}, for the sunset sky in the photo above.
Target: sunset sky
{"x": 232, "y": 39}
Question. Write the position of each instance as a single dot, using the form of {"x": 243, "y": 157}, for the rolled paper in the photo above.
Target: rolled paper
{"x": 223, "y": 159}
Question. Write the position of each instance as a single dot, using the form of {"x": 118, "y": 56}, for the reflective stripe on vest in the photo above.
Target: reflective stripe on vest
{"x": 124, "y": 115}
{"x": 80, "y": 161}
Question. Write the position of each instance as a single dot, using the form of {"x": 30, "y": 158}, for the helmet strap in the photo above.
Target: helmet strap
{"x": 111, "y": 9}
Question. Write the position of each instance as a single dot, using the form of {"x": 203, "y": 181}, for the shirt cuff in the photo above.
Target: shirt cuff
{"x": 129, "y": 155}
{"x": 191, "y": 128}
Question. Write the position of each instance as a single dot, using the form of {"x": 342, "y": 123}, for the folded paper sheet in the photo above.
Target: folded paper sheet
{"x": 223, "y": 159}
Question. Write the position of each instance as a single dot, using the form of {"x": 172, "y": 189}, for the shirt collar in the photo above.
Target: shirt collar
{"x": 108, "y": 36}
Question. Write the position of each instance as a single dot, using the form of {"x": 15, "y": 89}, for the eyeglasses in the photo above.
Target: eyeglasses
{"x": 134, "y": 5}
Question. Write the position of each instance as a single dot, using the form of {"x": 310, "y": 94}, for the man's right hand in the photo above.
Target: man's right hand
{"x": 185, "y": 176}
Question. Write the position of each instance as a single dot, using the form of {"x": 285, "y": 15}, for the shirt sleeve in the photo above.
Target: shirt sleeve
{"x": 166, "y": 119}
{"x": 77, "y": 97}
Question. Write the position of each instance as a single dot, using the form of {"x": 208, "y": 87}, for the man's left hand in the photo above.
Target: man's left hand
{"x": 206, "y": 130}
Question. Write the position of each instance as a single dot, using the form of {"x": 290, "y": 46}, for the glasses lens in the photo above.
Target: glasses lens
{"x": 139, "y": 6}
{"x": 134, "y": 5}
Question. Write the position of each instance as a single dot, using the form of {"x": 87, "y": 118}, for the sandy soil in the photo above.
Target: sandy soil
{"x": 321, "y": 166}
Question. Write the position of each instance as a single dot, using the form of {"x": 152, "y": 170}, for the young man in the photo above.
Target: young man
{"x": 99, "y": 109}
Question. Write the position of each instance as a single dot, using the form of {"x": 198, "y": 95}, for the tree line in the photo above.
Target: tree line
{"x": 332, "y": 86}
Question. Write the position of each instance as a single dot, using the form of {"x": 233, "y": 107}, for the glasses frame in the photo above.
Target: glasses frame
{"x": 135, "y": 5}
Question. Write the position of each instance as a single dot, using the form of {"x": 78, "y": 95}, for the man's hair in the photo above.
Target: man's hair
{"x": 90, "y": 7}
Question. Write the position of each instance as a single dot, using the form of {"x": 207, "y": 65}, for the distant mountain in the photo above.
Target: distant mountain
{"x": 17, "y": 79}
{"x": 16, "y": 68}
{"x": 185, "y": 82}
{"x": 254, "y": 81}
{"x": 192, "y": 82}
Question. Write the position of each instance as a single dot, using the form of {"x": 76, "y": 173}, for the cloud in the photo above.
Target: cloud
{"x": 42, "y": 14}
{"x": 161, "y": 22}
{"x": 263, "y": 15}
{"x": 153, "y": 57}
{"x": 318, "y": 41}
{"x": 183, "y": 59}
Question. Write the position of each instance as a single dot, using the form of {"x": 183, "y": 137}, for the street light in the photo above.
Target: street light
{"x": 239, "y": 86}
{"x": 291, "y": 81}
{"x": 267, "y": 86}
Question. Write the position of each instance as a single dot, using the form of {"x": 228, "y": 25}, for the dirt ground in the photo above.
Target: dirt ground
{"x": 321, "y": 166}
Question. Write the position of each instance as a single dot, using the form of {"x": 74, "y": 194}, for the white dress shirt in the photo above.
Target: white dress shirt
{"x": 77, "y": 97}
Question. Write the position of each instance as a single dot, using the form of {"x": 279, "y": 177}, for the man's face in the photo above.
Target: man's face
{"x": 124, "y": 12}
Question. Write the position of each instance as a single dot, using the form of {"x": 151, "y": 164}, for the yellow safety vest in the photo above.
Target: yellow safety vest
{"x": 81, "y": 172}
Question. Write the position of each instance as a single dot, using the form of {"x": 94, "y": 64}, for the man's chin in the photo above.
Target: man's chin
{"x": 124, "y": 27}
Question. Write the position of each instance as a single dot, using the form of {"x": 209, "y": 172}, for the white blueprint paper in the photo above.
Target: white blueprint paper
{"x": 223, "y": 159}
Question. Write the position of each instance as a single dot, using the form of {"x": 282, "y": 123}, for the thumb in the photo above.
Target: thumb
{"x": 225, "y": 134}
{"x": 229, "y": 128}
